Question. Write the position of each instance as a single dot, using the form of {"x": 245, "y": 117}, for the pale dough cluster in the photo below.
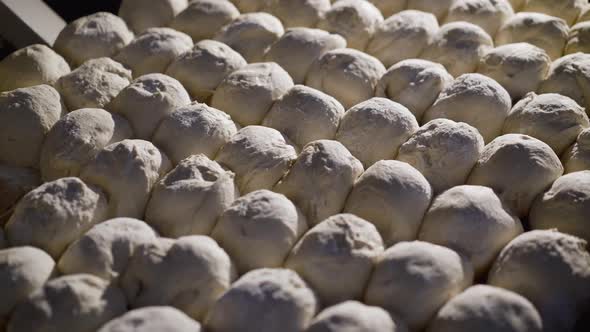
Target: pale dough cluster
{"x": 570, "y": 76}
{"x": 488, "y": 14}
{"x": 568, "y": 10}
{"x": 152, "y": 319}
{"x": 158, "y": 13}
{"x": 577, "y": 157}
{"x": 439, "y": 8}
{"x": 203, "y": 18}
{"x": 353, "y": 316}
{"x": 299, "y": 13}
{"x": 14, "y": 183}
{"x": 579, "y": 38}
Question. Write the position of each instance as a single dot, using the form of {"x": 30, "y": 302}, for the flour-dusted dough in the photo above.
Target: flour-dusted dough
{"x": 248, "y": 93}
{"x": 476, "y": 100}
{"x": 203, "y": 18}
{"x": 26, "y": 116}
{"x": 15, "y": 182}
{"x": 577, "y": 157}
{"x": 320, "y": 179}
{"x": 152, "y": 319}
{"x": 550, "y": 269}
{"x": 518, "y": 168}
{"x": 568, "y": 10}
{"x": 127, "y": 171}
{"x": 141, "y": 15}
{"x": 56, "y": 214}
{"x": 570, "y": 76}
{"x": 299, "y": 13}
{"x": 353, "y": 316}
{"x": 439, "y": 8}
{"x": 488, "y": 14}
{"x": 402, "y": 36}
{"x": 579, "y": 39}
{"x": 412, "y": 280}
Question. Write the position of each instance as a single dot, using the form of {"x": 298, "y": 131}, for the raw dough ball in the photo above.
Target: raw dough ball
{"x": 201, "y": 69}
{"x": 298, "y": 48}
{"x": 127, "y": 171}
{"x": 299, "y": 13}
{"x": 550, "y": 269}
{"x": 579, "y": 39}
{"x": 354, "y": 20}
{"x": 444, "y": 151}
{"x": 565, "y": 9}
{"x": 259, "y": 230}
{"x": 414, "y": 279}
{"x": 343, "y": 248}
{"x": 375, "y": 129}
{"x": 488, "y": 14}
{"x": 320, "y": 179}
{"x": 193, "y": 129}
{"x": 105, "y": 250}
{"x": 518, "y": 168}
{"x": 259, "y": 156}
{"x": 15, "y": 182}
{"x": 152, "y": 319}
{"x": 190, "y": 274}
{"x": 32, "y": 65}
{"x": 518, "y": 67}
{"x": 203, "y": 18}
{"x": 278, "y": 298}
{"x": 487, "y": 309}
{"x": 577, "y": 157}
{"x": 76, "y": 138}
{"x": 353, "y": 316}
{"x": 56, "y": 214}
{"x": 154, "y": 50}
{"x": 546, "y": 32}
{"x": 79, "y": 302}
{"x": 94, "y": 36}
{"x": 141, "y": 15}
{"x": 248, "y": 93}
{"x": 570, "y": 76}
{"x": 346, "y": 74}
{"x": 439, "y": 8}
{"x": 94, "y": 84}
{"x": 402, "y": 36}
{"x": 476, "y": 100}
{"x": 390, "y": 7}
{"x": 473, "y": 221}
{"x": 458, "y": 40}
{"x": 552, "y": 118}
{"x": 26, "y": 116}
{"x": 190, "y": 198}
{"x": 251, "y": 34}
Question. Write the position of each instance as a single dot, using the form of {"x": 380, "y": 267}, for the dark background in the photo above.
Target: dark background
{"x": 71, "y": 10}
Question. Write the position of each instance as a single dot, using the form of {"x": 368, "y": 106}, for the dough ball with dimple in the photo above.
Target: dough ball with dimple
{"x": 298, "y": 48}
{"x": 94, "y": 84}
{"x": 279, "y": 296}
{"x": 518, "y": 168}
{"x": 570, "y": 76}
{"x": 141, "y": 15}
{"x": 154, "y": 50}
{"x": 458, "y": 40}
{"x": 487, "y": 309}
{"x": 439, "y": 8}
{"x": 55, "y": 214}
{"x": 76, "y": 138}
{"x": 343, "y": 247}
{"x": 94, "y": 36}
{"x": 251, "y": 34}
{"x": 189, "y": 273}
{"x": 558, "y": 264}
{"x": 299, "y": 13}
{"x": 26, "y": 116}
{"x": 444, "y": 151}
{"x": 15, "y": 182}
{"x": 565, "y": 9}
{"x": 402, "y": 36}
{"x": 127, "y": 171}
{"x": 354, "y": 20}
{"x": 488, "y": 14}
{"x": 577, "y": 157}
{"x": 79, "y": 302}
{"x": 579, "y": 39}
{"x": 202, "y": 69}
{"x": 346, "y": 74}
{"x": 552, "y": 118}
{"x": 320, "y": 179}
{"x": 476, "y": 100}
{"x": 412, "y": 280}
{"x": 353, "y": 316}
{"x": 33, "y": 65}
{"x": 152, "y": 319}
{"x": 190, "y": 198}
{"x": 203, "y": 18}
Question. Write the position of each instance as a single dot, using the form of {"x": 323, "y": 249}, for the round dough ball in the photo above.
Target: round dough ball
{"x": 141, "y": 15}
{"x": 278, "y": 298}
{"x": 298, "y": 48}
{"x": 76, "y": 138}
{"x": 26, "y": 116}
{"x": 476, "y": 100}
{"x": 79, "y": 302}
{"x": 190, "y": 198}
{"x": 152, "y": 319}
{"x": 550, "y": 269}
{"x": 458, "y": 40}
{"x": 579, "y": 39}
{"x": 33, "y": 65}
{"x": 518, "y": 67}
{"x": 56, "y": 214}
{"x": 568, "y": 10}
{"x": 15, "y": 182}
{"x": 203, "y": 18}
{"x": 343, "y": 247}
{"x": 439, "y": 8}
{"x": 487, "y": 309}
{"x": 98, "y": 35}
{"x": 202, "y": 69}
{"x": 570, "y": 76}
{"x": 346, "y": 74}
{"x": 248, "y": 93}
{"x": 488, "y": 14}
{"x": 412, "y": 280}
{"x": 259, "y": 156}
{"x": 320, "y": 179}
{"x": 251, "y": 34}
{"x": 353, "y": 316}
{"x": 299, "y": 13}
{"x": 518, "y": 168}
{"x": 194, "y": 129}
{"x": 127, "y": 171}
{"x": 577, "y": 157}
